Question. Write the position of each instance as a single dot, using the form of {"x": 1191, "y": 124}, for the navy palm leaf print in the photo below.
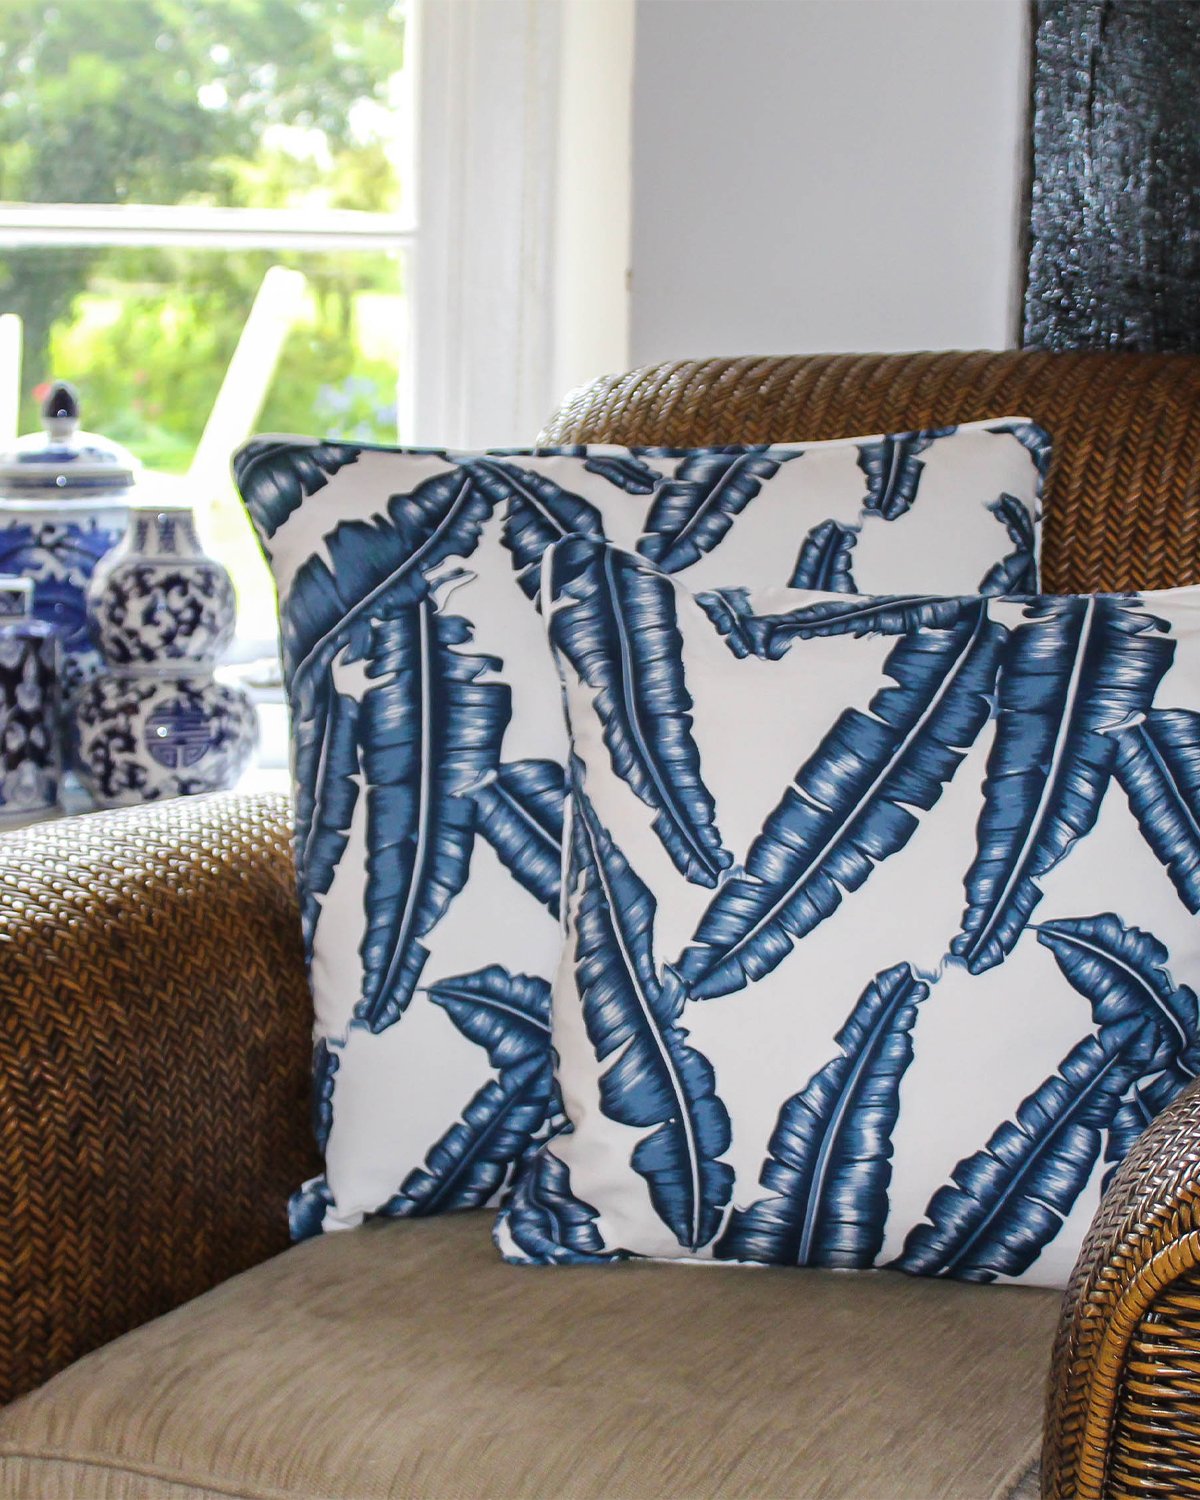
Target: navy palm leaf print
{"x": 1034, "y": 439}
{"x": 473, "y": 1158}
{"x": 893, "y": 471}
{"x": 376, "y": 567}
{"x": 431, "y": 728}
{"x": 616, "y": 624}
{"x": 1158, "y": 765}
{"x": 547, "y": 1221}
{"x": 772, "y": 636}
{"x": 327, "y": 776}
{"x": 824, "y": 560}
{"x": 655, "y": 1079}
{"x": 507, "y": 1014}
{"x": 1121, "y": 971}
{"x": 520, "y": 813}
{"x": 539, "y": 513}
{"x": 1008, "y": 1201}
{"x": 850, "y": 805}
{"x": 275, "y": 477}
{"x": 307, "y": 1208}
{"x": 830, "y": 1155}
{"x": 627, "y": 472}
{"x": 1077, "y": 670}
{"x": 325, "y": 1066}
{"x": 693, "y": 511}
{"x": 1017, "y": 573}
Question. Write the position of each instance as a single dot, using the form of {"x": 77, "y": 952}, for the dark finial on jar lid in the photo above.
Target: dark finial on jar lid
{"x": 61, "y": 403}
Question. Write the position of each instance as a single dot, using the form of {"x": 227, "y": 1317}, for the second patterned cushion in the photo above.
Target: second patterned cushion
{"x": 947, "y": 968}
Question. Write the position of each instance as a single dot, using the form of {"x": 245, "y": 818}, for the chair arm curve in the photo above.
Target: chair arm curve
{"x": 1123, "y": 1404}
{"x": 154, "y": 1066}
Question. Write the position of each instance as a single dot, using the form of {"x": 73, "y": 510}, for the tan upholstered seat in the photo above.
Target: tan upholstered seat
{"x": 405, "y": 1359}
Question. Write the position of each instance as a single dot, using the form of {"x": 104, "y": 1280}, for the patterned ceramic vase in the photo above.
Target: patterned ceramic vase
{"x": 64, "y": 502}
{"x": 29, "y": 707}
{"x": 156, "y": 723}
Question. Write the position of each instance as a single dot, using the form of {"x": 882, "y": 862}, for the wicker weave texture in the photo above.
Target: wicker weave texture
{"x": 154, "y": 1067}
{"x": 1123, "y": 494}
{"x": 1123, "y": 1411}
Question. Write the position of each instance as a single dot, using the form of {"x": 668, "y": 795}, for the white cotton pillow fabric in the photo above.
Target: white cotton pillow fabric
{"x": 948, "y": 971}
{"x": 428, "y": 742}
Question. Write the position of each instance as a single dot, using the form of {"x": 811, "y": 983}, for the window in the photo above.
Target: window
{"x": 206, "y": 223}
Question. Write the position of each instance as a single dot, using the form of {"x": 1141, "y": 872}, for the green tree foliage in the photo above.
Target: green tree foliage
{"x": 240, "y": 103}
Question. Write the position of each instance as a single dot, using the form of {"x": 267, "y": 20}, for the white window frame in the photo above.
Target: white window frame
{"x": 517, "y": 244}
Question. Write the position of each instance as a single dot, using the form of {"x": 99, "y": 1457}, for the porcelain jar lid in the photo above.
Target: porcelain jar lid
{"x": 62, "y": 462}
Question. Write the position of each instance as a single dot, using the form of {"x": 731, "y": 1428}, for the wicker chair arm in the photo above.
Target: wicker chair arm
{"x": 1123, "y": 1406}
{"x": 154, "y": 1067}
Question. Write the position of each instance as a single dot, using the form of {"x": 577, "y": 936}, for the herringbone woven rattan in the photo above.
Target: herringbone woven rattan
{"x": 1123, "y": 496}
{"x": 1123, "y": 1409}
{"x": 154, "y": 1067}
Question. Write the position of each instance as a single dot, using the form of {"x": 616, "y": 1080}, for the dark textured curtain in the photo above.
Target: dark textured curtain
{"x": 1114, "y": 211}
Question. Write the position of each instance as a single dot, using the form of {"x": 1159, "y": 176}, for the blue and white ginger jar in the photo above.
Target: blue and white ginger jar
{"x": 29, "y": 708}
{"x": 64, "y": 503}
{"x": 156, "y": 722}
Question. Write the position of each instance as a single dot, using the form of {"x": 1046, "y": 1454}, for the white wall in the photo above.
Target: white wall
{"x": 825, "y": 175}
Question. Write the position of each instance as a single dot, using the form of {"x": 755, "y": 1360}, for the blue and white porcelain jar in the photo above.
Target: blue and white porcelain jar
{"x": 64, "y": 502}
{"x": 29, "y": 708}
{"x": 156, "y": 722}
{"x": 157, "y": 598}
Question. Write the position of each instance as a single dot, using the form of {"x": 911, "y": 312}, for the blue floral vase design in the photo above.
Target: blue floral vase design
{"x": 29, "y": 707}
{"x": 64, "y": 503}
{"x": 156, "y": 722}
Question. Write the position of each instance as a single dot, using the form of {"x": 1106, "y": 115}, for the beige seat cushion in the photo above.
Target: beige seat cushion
{"x": 405, "y": 1359}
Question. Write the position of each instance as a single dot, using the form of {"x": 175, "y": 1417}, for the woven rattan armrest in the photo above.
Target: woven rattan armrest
{"x": 1123, "y": 1412}
{"x": 154, "y": 1067}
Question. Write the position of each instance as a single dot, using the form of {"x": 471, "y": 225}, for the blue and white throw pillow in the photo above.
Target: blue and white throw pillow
{"x": 882, "y": 942}
{"x": 428, "y": 741}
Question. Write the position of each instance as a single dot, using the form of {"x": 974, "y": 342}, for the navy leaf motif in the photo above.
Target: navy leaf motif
{"x": 771, "y": 636}
{"x": 850, "y": 806}
{"x": 1121, "y": 972}
{"x": 656, "y": 1079}
{"x": 508, "y": 1014}
{"x": 325, "y": 1066}
{"x": 547, "y": 1221}
{"x": 472, "y": 1159}
{"x": 520, "y": 813}
{"x": 618, "y": 629}
{"x": 377, "y": 566}
{"x": 539, "y": 513}
{"x": 430, "y": 729}
{"x": 1158, "y": 765}
{"x": 327, "y": 781}
{"x": 1075, "y": 671}
{"x": 1017, "y": 573}
{"x": 627, "y": 473}
{"x": 693, "y": 511}
{"x": 274, "y": 477}
{"x": 307, "y": 1208}
{"x": 824, "y": 560}
{"x": 1034, "y": 439}
{"x": 1008, "y": 1201}
{"x": 830, "y": 1154}
{"x": 893, "y": 471}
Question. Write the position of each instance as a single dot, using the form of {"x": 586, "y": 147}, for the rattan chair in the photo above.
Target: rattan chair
{"x": 154, "y": 1015}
